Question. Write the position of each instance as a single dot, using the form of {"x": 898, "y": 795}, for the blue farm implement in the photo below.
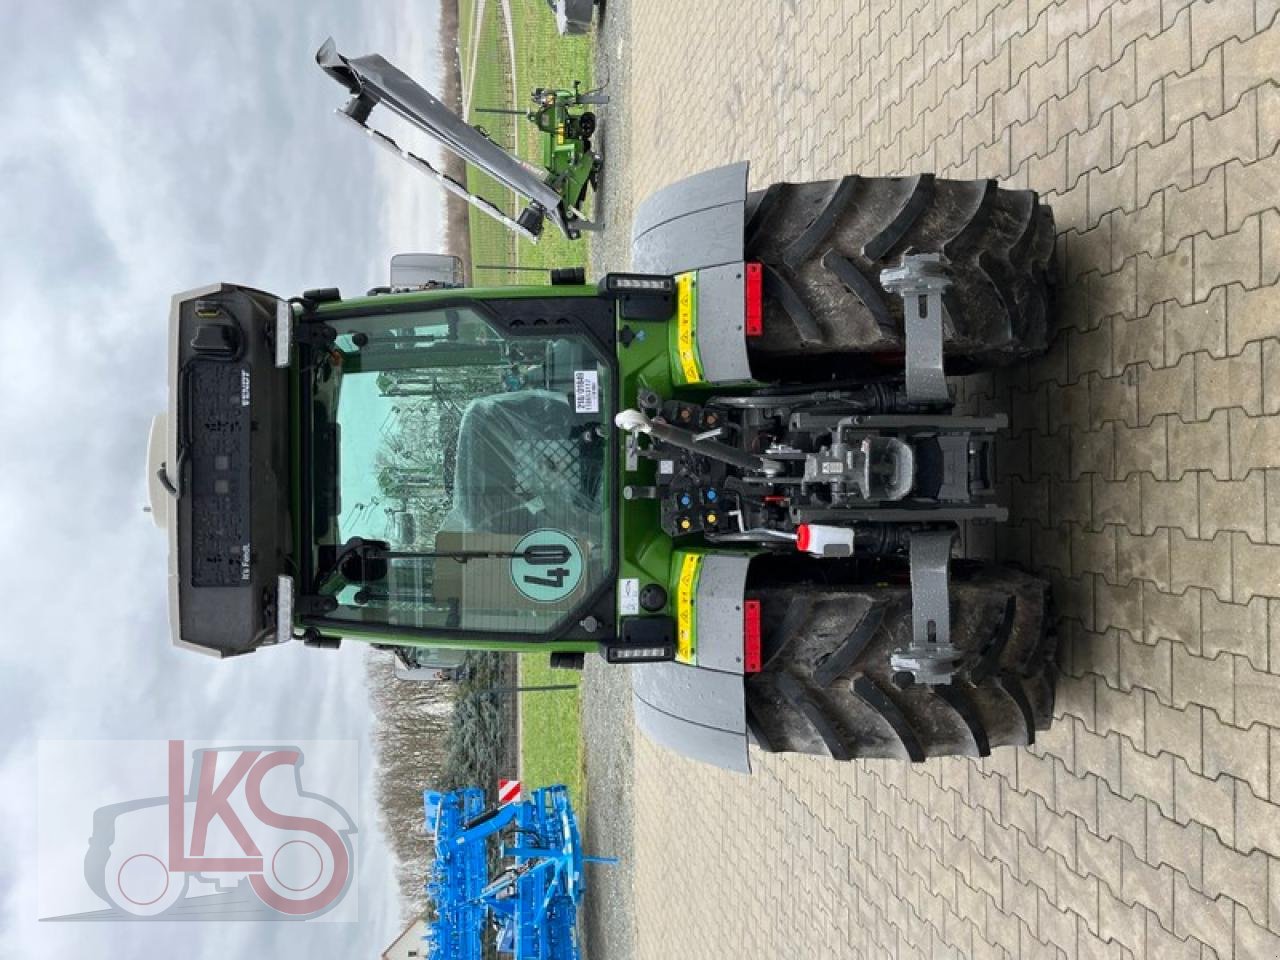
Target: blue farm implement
{"x": 530, "y": 901}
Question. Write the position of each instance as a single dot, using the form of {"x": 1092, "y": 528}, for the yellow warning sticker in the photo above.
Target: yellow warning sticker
{"x": 686, "y": 329}
{"x": 686, "y": 622}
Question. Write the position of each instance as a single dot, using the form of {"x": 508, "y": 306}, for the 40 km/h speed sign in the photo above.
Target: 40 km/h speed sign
{"x": 546, "y": 566}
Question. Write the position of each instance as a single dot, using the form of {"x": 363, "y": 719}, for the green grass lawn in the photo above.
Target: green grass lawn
{"x": 543, "y": 58}
{"x": 549, "y": 722}
{"x": 549, "y": 728}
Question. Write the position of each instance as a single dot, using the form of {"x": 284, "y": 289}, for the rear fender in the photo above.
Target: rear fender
{"x": 698, "y": 707}
{"x": 695, "y": 227}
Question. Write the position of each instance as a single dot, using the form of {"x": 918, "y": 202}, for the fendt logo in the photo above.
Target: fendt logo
{"x": 235, "y": 836}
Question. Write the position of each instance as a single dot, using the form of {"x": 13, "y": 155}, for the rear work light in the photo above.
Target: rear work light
{"x": 645, "y": 282}
{"x": 638, "y": 653}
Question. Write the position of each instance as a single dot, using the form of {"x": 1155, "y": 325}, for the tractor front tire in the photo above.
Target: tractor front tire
{"x": 827, "y": 687}
{"x": 824, "y": 244}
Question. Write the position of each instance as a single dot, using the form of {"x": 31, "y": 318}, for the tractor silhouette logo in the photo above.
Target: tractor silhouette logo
{"x": 239, "y": 839}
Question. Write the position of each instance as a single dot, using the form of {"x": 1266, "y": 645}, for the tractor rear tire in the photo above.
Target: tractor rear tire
{"x": 823, "y": 245}
{"x": 827, "y": 687}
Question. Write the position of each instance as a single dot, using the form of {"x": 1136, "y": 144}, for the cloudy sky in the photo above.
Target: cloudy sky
{"x": 148, "y": 148}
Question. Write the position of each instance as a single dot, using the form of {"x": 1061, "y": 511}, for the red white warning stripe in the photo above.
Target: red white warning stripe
{"x": 508, "y": 791}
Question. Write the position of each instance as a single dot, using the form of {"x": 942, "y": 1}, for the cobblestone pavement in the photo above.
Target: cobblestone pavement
{"x": 1145, "y": 456}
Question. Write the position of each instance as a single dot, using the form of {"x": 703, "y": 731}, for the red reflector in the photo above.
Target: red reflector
{"x": 751, "y": 636}
{"x": 755, "y": 300}
{"x": 802, "y": 537}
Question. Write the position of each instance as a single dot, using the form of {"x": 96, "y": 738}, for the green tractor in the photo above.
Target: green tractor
{"x": 566, "y": 125}
{"x": 737, "y": 468}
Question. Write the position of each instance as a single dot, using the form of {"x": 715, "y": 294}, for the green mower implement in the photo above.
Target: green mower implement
{"x": 566, "y": 124}
{"x": 552, "y": 193}
{"x": 738, "y": 468}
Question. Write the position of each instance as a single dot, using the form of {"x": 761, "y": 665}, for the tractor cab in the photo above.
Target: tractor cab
{"x": 418, "y": 466}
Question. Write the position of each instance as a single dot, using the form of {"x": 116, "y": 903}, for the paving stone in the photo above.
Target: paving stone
{"x": 1229, "y": 382}
{"x": 1136, "y": 450}
{"x": 1067, "y": 407}
{"x": 1168, "y": 390}
{"x": 1098, "y": 856}
{"x": 1132, "y": 124}
{"x": 1176, "y": 844}
{"x": 1089, "y": 946}
{"x": 1255, "y": 569}
{"x": 1169, "y": 276}
{"x": 1253, "y": 939}
{"x": 1164, "y": 945}
{"x": 1199, "y": 446}
{"x": 1198, "y": 91}
{"x": 1257, "y": 696}
{"x": 1114, "y": 399}
{"x": 1200, "y": 563}
{"x": 1230, "y": 136}
{"x": 1242, "y": 877}
{"x": 1175, "y": 616}
{"x": 1163, "y": 165}
{"x": 1143, "y": 557}
{"x": 1051, "y": 456}
{"x": 1078, "y": 893}
{"x": 1119, "y": 712}
{"x": 1249, "y": 64}
{"x": 1121, "y": 922}
{"x": 1089, "y": 351}
{"x": 1233, "y": 505}
{"x": 1130, "y": 19}
{"x": 1173, "y": 730}
{"x": 1202, "y": 209}
{"x": 1241, "y": 754}
{"x": 1235, "y": 628}
{"x": 1138, "y": 341}
{"x": 1197, "y": 327}
{"x": 1164, "y": 54}
{"x": 1204, "y": 918}
{"x": 1170, "y": 503}
{"x": 1056, "y": 924}
{"x": 1231, "y": 258}
{"x": 1257, "y": 822}
{"x": 1087, "y": 149}
{"x": 1268, "y": 114}
{"x": 1114, "y": 293}
{"x": 1210, "y": 803}
{"x": 1149, "y": 886}
{"x": 1251, "y": 188}
{"x": 1254, "y": 443}
{"x": 1148, "y": 777}
{"x": 1096, "y": 755}
{"x": 1213, "y": 24}
{"x": 1094, "y": 552}
{"x": 1112, "y": 189}
{"x": 1120, "y": 606}
{"x": 1116, "y": 501}
{"x": 1207, "y": 682}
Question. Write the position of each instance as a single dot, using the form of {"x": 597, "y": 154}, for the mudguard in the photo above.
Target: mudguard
{"x": 692, "y": 224}
{"x": 697, "y": 224}
{"x": 699, "y": 709}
